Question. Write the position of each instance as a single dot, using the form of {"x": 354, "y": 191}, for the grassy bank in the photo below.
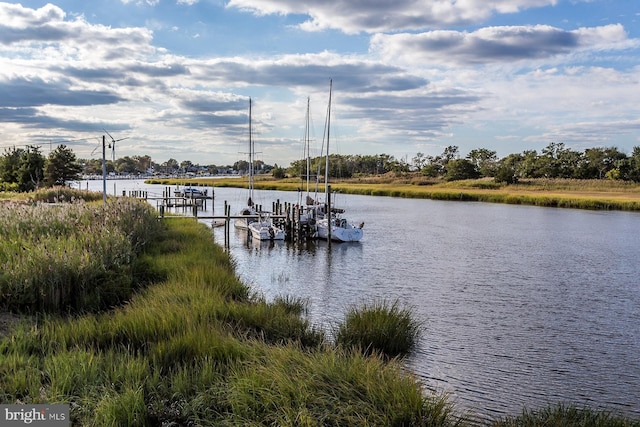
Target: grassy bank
{"x": 196, "y": 347}
{"x": 564, "y": 193}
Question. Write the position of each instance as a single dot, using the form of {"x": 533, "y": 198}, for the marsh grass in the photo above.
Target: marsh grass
{"x": 199, "y": 349}
{"x": 71, "y": 257}
{"x": 379, "y": 327}
{"x": 566, "y": 416}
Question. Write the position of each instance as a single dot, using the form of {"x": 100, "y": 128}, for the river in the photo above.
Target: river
{"x": 522, "y": 306}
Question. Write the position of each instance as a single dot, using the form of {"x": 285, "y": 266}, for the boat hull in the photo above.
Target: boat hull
{"x": 343, "y": 232}
{"x": 265, "y": 231}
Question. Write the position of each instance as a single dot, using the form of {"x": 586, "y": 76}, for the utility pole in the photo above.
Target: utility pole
{"x": 104, "y": 172}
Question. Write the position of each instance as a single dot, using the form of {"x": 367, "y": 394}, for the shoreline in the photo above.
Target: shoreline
{"x": 561, "y": 193}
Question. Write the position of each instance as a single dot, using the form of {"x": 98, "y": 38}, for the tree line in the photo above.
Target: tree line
{"x": 26, "y": 169}
{"x": 554, "y": 161}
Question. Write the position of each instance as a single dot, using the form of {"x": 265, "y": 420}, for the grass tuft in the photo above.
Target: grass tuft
{"x": 379, "y": 327}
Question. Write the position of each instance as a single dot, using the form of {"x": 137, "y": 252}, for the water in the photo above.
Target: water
{"x": 522, "y": 306}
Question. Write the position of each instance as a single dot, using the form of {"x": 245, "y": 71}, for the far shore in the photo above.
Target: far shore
{"x": 564, "y": 193}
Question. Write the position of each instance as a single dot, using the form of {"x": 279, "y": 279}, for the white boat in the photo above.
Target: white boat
{"x": 249, "y": 211}
{"x": 333, "y": 226}
{"x": 265, "y": 229}
{"x": 341, "y": 230}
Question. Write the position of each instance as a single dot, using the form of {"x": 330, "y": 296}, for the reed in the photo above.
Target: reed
{"x": 198, "y": 348}
{"x": 379, "y": 327}
{"x": 71, "y": 257}
{"x": 566, "y": 415}
{"x": 288, "y": 387}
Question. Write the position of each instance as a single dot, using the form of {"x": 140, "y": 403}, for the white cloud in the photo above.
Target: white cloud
{"x": 495, "y": 44}
{"x": 353, "y": 16}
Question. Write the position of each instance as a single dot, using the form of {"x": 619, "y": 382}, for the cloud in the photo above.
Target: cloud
{"x": 309, "y": 71}
{"x": 46, "y": 28}
{"x": 353, "y": 16}
{"x": 494, "y": 44}
{"x": 22, "y": 92}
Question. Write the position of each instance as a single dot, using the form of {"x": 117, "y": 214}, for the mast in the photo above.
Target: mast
{"x": 306, "y": 135}
{"x": 326, "y": 164}
{"x": 250, "y": 201}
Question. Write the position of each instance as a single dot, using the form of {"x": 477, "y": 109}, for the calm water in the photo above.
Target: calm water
{"x": 523, "y": 306}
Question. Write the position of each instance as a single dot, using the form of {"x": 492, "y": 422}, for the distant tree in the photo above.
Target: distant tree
{"x": 484, "y": 160}
{"x": 628, "y": 169}
{"x": 30, "y": 168}
{"x": 278, "y": 172}
{"x": 126, "y": 165}
{"x": 61, "y": 166}
{"x": 419, "y": 161}
{"x": 458, "y": 169}
{"x": 507, "y": 170}
{"x": 595, "y": 163}
{"x": 9, "y": 165}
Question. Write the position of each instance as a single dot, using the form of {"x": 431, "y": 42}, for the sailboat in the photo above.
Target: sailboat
{"x": 333, "y": 226}
{"x": 309, "y": 206}
{"x": 249, "y": 211}
{"x": 258, "y": 223}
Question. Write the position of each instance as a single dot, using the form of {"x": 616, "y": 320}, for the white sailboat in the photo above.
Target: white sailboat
{"x": 310, "y": 209}
{"x": 249, "y": 211}
{"x": 333, "y": 226}
{"x": 259, "y": 224}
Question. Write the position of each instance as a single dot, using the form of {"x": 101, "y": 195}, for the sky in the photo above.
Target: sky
{"x": 172, "y": 79}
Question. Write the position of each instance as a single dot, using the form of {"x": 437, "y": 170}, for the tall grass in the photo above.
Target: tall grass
{"x": 566, "y": 416}
{"x": 379, "y": 327}
{"x": 70, "y": 257}
{"x": 199, "y": 349}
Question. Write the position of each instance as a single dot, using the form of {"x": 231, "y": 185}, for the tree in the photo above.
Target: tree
{"x": 9, "y": 164}
{"x": 458, "y": 169}
{"x": 628, "y": 169}
{"x": 508, "y": 168}
{"x": 22, "y": 167}
{"x": 484, "y": 160}
{"x": 419, "y": 161}
{"x": 61, "y": 166}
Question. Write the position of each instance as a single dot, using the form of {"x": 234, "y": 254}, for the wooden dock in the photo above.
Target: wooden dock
{"x": 284, "y": 215}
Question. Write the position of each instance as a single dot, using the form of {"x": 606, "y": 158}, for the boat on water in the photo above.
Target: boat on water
{"x": 332, "y": 225}
{"x": 265, "y": 229}
{"x": 249, "y": 212}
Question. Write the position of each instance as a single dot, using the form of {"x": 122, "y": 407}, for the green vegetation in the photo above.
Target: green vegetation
{"x": 75, "y": 257}
{"x": 566, "y": 416}
{"x": 379, "y": 327}
{"x": 195, "y": 346}
{"x": 26, "y": 169}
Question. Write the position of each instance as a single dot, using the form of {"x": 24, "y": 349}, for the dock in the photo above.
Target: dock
{"x": 285, "y": 215}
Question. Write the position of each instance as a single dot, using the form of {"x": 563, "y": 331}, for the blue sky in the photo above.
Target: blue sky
{"x": 410, "y": 76}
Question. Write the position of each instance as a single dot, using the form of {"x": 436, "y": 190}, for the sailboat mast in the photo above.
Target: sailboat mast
{"x": 250, "y": 158}
{"x": 326, "y": 164}
{"x": 307, "y": 145}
